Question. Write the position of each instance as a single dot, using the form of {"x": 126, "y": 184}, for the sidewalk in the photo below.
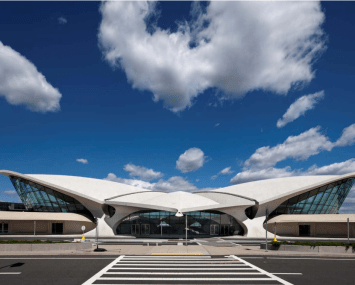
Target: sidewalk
{"x": 116, "y": 250}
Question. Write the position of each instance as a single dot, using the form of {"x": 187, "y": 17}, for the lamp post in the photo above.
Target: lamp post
{"x": 179, "y": 214}
{"x": 97, "y": 236}
{"x": 266, "y": 231}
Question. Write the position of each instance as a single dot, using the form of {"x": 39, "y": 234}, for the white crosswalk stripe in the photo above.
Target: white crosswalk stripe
{"x": 183, "y": 270}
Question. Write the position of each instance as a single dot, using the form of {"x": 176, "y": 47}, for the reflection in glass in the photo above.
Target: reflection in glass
{"x": 326, "y": 199}
{"x": 38, "y": 198}
{"x": 164, "y": 223}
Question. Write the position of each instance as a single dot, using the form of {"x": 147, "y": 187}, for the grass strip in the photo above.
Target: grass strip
{"x": 347, "y": 245}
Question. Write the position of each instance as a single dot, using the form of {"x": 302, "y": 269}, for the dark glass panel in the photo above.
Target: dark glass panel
{"x": 166, "y": 223}
{"x": 39, "y": 198}
{"x": 324, "y": 200}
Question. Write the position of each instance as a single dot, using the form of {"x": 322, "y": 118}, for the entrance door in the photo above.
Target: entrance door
{"x": 57, "y": 228}
{"x": 135, "y": 229}
{"x": 214, "y": 230}
{"x": 145, "y": 229}
{"x": 304, "y": 230}
{"x": 224, "y": 230}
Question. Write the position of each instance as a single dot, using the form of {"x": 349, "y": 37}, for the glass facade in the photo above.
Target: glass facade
{"x": 161, "y": 223}
{"x": 38, "y": 198}
{"x": 323, "y": 200}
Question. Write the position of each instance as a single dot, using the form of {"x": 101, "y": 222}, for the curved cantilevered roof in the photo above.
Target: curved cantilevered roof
{"x": 247, "y": 194}
{"x": 271, "y": 189}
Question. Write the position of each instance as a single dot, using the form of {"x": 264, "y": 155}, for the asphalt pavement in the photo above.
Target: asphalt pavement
{"x": 76, "y": 270}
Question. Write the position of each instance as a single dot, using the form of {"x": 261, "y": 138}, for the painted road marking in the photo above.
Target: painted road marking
{"x": 98, "y": 274}
{"x": 10, "y": 272}
{"x": 126, "y": 270}
{"x": 177, "y": 253}
{"x": 272, "y": 276}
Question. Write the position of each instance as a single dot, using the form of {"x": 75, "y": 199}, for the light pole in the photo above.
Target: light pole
{"x": 97, "y": 236}
{"x": 266, "y": 231}
{"x": 179, "y": 214}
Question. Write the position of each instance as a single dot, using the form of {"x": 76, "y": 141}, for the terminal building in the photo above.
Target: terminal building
{"x": 294, "y": 206}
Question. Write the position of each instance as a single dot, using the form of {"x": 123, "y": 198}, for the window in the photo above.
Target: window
{"x": 4, "y": 228}
{"x": 326, "y": 199}
{"x": 38, "y": 198}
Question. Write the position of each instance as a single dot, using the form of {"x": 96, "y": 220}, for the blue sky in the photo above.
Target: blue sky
{"x": 177, "y": 96}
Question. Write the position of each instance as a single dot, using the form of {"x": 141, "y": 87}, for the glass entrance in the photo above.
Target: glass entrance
{"x": 214, "y": 230}
{"x": 166, "y": 224}
{"x": 224, "y": 230}
{"x": 145, "y": 229}
{"x": 135, "y": 230}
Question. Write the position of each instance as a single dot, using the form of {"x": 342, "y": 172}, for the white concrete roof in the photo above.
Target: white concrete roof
{"x": 103, "y": 191}
{"x": 40, "y": 216}
{"x": 271, "y": 189}
{"x": 179, "y": 200}
{"x": 315, "y": 218}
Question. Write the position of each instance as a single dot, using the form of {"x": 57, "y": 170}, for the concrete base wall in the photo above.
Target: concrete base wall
{"x": 307, "y": 248}
{"x": 45, "y": 227}
{"x": 320, "y": 229}
{"x": 46, "y": 247}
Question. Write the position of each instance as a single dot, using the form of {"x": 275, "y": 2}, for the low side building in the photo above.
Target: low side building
{"x": 332, "y": 225}
{"x": 31, "y": 223}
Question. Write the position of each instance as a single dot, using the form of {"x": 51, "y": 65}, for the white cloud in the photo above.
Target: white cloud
{"x": 260, "y": 174}
{"x": 300, "y": 107}
{"x": 248, "y": 175}
{"x": 348, "y": 137}
{"x": 216, "y": 125}
{"x": 340, "y": 168}
{"x": 132, "y": 182}
{"x": 82, "y": 160}
{"x": 62, "y": 20}
{"x": 142, "y": 172}
{"x": 224, "y": 171}
{"x": 246, "y": 46}
{"x": 175, "y": 183}
{"x": 10, "y": 192}
{"x": 190, "y": 160}
{"x": 22, "y": 84}
{"x": 299, "y": 147}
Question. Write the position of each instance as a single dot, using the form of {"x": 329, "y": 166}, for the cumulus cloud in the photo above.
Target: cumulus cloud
{"x": 22, "y": 84}
{"x": 224, "y": 171}
{"x": 132, "y": 182}
{"x": 248, "y": 175}
{"x": 299, "y": 147}
{"x": 340, "y": 168}
{"x": 348, "y": 137}
{"x": 142, "y": 172}
{"x": 190, "y": 160}
{"x": 82, "y": 160}
{"x": 62, "y": 20}
{"x": 261, "y": 174}
{"x": 235, "y": 47}
{"x": 175, "y": 183}
{"x": 300, "y": 107}
{"x": 261, "y": 164}
{"x": 10, "y": 192}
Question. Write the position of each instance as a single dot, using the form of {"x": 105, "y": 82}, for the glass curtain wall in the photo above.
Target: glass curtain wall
{"x": 38, "y": 198}
{"x": 162, "y": 223}
{"x": 323, "y": 200}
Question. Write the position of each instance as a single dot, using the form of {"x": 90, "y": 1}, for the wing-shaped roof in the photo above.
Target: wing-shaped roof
{"x": 272, "y": 189}
{"x": 103, "y": 191}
